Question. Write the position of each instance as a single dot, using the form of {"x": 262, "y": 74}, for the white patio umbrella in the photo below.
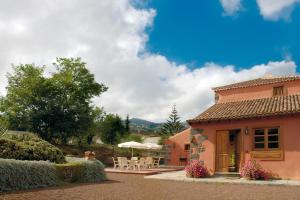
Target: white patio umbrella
{"x": 152, "y": 146}
{"x": 132, "y": 145}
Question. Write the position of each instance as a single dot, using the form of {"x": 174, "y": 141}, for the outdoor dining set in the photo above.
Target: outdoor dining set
{"x": 135, "y": 163}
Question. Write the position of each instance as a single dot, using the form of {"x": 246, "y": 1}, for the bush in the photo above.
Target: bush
{"x": 27, "y": 146}
{"x": 196, "y": 170}
{"x": 20, "y": 175}
{"x": 80, "y": 170}
{"x": 253, "y": 171}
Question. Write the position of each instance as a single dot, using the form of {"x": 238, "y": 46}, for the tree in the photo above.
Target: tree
{"x": 55, "y": 107}
{"x": 22, "y": 93}
{"x": 98, "y": 116}
{"x": 173, "y": 124}
{"x": 112, "y": 129}
{"x": 127, "y": 125}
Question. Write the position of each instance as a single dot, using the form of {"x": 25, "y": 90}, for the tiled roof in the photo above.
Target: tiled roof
{"x": 257, "y": 82}
{"x": 279, "y": 105}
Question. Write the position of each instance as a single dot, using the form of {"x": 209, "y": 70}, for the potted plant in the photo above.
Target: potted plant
{"x": 232, "y": 163}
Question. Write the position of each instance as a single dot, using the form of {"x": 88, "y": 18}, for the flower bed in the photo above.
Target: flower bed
{"x": 196, "y": 170}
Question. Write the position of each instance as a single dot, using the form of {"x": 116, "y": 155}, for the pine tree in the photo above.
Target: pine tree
{"x": 173, "y": 124}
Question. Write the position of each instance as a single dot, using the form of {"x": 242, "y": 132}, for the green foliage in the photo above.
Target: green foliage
{"x": 20, "y": 175}
{"x": 173, "y": 124}
{"x": 132, "y": 137}
{"x": 112, "y": 129}
{"x": 56, "y": 107}
{"x": 127, "y": 124}
{"x": 162, "y": 139}
{"x": 98, "y": 116}
{"x": 22, "y": 91}
{"x": 27, "y": 146}
{"x": 80, "y": 170}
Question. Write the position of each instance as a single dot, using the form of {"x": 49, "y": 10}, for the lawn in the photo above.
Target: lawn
{"x": 133, "y": 187}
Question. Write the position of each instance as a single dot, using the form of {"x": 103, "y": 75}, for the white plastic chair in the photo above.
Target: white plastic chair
{"x": 116, "y": 163}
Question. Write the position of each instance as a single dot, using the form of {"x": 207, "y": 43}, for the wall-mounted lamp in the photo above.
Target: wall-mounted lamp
{"x": 246, "y": 131}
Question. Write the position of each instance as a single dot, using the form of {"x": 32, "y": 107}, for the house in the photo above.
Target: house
{"x": 178, "y": 148}
{"x": 258, "y": 119}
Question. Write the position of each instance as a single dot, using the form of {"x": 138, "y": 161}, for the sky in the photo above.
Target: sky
{"x": 153, "y": 53}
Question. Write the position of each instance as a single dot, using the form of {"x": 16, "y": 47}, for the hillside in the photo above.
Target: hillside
{"x": 144, "y": 127}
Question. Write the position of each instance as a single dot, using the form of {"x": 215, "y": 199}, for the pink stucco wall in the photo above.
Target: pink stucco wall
{"x": 177, "y": 143}
{"x": 257, "y": 92}
{"x": 289, "y": 167}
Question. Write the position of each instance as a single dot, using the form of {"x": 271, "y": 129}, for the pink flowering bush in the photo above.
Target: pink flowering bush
{"x": 253, "y": 171}
{"x": 196, "y": 170}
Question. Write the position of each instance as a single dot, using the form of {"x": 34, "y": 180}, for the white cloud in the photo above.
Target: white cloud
{"x": 276, "y": 9}
{"x": 110, "y": 36}
{"x": 231, "y": 7}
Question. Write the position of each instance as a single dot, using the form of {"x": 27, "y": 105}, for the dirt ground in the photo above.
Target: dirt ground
{"x": 132, "y": 187}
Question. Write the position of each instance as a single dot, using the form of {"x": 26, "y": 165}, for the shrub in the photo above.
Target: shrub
{"x": 253, "y": 171}
{"x": 27, "y": 146}
{"x": 80, "y": 170}
{"x": 20, "y": 175}
{"x": 196, "y": 170}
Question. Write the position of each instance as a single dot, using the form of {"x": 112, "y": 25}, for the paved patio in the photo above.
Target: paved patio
{"x": 136, "y": 187}
{"x": 180, "y": 176}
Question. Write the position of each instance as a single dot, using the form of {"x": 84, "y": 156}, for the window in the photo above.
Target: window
{"x": 187, "y": 147}
{"x": 278, "y": 91}
{"x": 266, "y": 139}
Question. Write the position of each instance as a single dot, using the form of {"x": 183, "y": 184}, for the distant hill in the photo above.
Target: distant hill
{"x": 144, "y": 127}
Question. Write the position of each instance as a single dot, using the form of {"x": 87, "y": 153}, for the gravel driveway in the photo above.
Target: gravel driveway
{"x": 131, "y": 187}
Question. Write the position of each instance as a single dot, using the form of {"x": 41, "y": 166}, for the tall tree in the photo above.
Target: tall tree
{"x": 22, "y": 91}
{"x": 58, "y": 106}
{"x": 127, "y": 125}
{"x": 112, "y": 129}
{"x": 173, "y": 124}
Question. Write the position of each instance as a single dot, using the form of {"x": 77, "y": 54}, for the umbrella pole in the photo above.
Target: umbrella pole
{"x": 131, "y": 152}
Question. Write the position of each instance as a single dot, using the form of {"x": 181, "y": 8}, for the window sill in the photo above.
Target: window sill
{"x": 267, "y": 155}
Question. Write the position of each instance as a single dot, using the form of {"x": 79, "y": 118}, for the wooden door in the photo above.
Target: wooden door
{"x": 222, "y": 151}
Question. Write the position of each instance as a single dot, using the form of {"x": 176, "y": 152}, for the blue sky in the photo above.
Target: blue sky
{"x": 195, "y": 32}
{"x": 155, "y": 53}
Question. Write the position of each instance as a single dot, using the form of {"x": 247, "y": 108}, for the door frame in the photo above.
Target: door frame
{"x": 242, "y": 154}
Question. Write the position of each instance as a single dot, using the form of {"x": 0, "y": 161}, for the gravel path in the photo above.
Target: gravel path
{"x": 132, "y": 187}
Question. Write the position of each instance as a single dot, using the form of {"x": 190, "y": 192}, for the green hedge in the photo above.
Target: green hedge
{"x": 80, "y": 170}
{"x": 27, "y": 146}
{"x": 21, "y": 175}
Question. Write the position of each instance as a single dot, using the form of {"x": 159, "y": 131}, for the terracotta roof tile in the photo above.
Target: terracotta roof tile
{"x": 279, "y": 105}
{"x": 257, "y": 82}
